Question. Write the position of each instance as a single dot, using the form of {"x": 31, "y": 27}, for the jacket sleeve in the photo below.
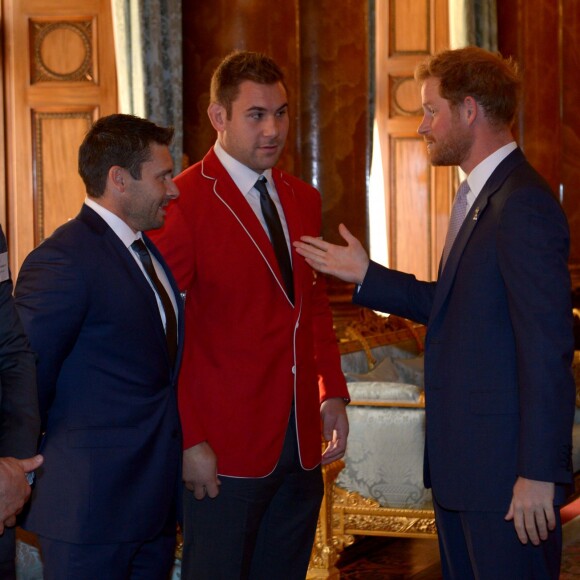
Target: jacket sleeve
{"x": 395, "y": 292}
{"x": 532, "y": 244}
{"x": 19, "y": 419}
{"x": 51, "y": 300}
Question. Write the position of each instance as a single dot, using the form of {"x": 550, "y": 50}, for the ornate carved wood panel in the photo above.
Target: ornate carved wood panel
{"x": 417, "y": 196}
{"x": 60, "y": 76}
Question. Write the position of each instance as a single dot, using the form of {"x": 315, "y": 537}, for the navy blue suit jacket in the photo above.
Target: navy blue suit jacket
{"x": 107, "y": 389}
{"x": 499, "y": 345}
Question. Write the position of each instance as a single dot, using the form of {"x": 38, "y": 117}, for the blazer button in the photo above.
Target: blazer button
{"x": 294, "y": 370}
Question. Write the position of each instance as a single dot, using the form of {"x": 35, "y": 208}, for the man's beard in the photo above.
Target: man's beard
{"x": 452, "y": 150}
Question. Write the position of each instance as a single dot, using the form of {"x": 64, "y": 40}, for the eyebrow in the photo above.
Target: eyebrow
{"x": 257, "y": 109}
{"x": 165, "y": 171}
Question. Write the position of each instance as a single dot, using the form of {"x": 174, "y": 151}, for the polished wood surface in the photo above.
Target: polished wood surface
{"x": 214, "y": 28}
{"x": 334, "y": 110}
{"x": 59, "y": 75}
{"x": 323, "y": 49}
{"x": 542, "y": 36}
{"x": 417, "y": 196}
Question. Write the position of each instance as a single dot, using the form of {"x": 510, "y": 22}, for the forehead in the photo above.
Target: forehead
{"x": 256, "y": 95}
{"x": 430, "y": 90}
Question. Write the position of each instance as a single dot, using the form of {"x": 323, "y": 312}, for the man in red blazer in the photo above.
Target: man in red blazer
{"x": 261, "y": 364}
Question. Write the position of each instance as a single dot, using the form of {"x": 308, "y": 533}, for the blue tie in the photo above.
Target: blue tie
{"x": 458, "y": 214}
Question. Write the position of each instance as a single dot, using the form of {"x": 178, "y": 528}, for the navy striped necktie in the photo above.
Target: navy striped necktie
{"x": 277, "y": 237}
{"x": 141, "y": 250}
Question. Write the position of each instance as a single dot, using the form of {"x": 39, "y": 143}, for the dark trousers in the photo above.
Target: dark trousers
{"x": 8, "y": 554}
{"x": 150, "y": 560}
{"x": 483, "y": 546}
{"x": 256, "y": 529}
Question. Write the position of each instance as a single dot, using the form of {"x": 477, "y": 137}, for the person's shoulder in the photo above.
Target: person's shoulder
{"x": 193, "y": 174}
{"x": 72, "y": 238}
{"x": 189, "y": 173}
{"x": 297, "y": 184}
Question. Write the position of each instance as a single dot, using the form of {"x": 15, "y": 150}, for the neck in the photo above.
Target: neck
{"x": 483, "y": 146}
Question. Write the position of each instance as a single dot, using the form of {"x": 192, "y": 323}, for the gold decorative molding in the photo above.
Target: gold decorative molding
{"x": 357, "y": 515}
{"x": 326, "y": 548}
{"x": 52, "y": 41}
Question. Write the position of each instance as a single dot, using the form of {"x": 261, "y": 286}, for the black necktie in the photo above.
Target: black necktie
{"x": 170, "y": 319}
{"x": 276, "y": 235}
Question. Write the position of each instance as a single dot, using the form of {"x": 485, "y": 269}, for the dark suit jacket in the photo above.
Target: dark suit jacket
{"x": 107, "y": 390}
{"x": 19, "y": 420}
{"x": 499, "y": 346}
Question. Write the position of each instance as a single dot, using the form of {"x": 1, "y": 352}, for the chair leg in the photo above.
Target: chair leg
{"x": 325, "y": 551}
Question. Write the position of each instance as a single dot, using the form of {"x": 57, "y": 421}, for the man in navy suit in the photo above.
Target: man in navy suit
{"x": 104, "y": 505}
{"x": 499, "y": 347}
{"x": 19, "y": 420}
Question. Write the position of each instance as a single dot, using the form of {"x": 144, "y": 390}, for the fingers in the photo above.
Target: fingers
{"x": 532, "y": 525}
{"x": 200, "y": 490}
{"x": 32, "y": 463}
{"x": 213, "y": 488}
{"x": 346, "y": 235}
{"x": 10, "y": 522}
{"x": 334, "y": 451}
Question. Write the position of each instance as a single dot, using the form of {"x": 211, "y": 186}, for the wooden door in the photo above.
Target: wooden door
{"x": 59, "y": 76}
{"x": 417, "y": 196}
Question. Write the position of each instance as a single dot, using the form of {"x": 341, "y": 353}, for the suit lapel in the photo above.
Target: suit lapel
{"x": 472, "y": 218}
{"x": 228, "y": 193}
{"x": 115, "y": 247}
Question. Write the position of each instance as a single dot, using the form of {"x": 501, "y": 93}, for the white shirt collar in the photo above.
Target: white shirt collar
{"x": 481, "y": 173}
{"x": 125, "y": 233}
{"x": 242, "y": 175}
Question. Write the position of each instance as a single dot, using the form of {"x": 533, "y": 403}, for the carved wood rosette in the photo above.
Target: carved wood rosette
{"x": 62, "y": 51}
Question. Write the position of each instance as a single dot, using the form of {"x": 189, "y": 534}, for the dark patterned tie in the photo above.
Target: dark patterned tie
{"x": 458, "y": 213}
{"x": 170, "y": 319}
{"x": 276, "y": 235}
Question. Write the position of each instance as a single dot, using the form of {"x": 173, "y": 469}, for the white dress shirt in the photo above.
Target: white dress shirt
{"x": 128, "y": 236}
{"x": 245, "y": 178}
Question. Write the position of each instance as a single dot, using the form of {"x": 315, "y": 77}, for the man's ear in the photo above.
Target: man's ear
{"x": 116, "y": 177}
{"x": 217, "y": 115}
{"x": 470, "y": 108}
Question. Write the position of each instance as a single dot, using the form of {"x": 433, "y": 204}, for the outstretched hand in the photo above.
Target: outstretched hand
{"x": 349, "y": 263}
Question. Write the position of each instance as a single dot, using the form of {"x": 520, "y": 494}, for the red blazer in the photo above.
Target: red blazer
{"x": 248, "y": 352}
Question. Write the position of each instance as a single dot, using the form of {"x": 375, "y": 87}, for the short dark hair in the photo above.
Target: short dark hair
{"x": 240, "y": 66}
{"x": 492, "y": 80}
{"x": 122, "y": 140}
